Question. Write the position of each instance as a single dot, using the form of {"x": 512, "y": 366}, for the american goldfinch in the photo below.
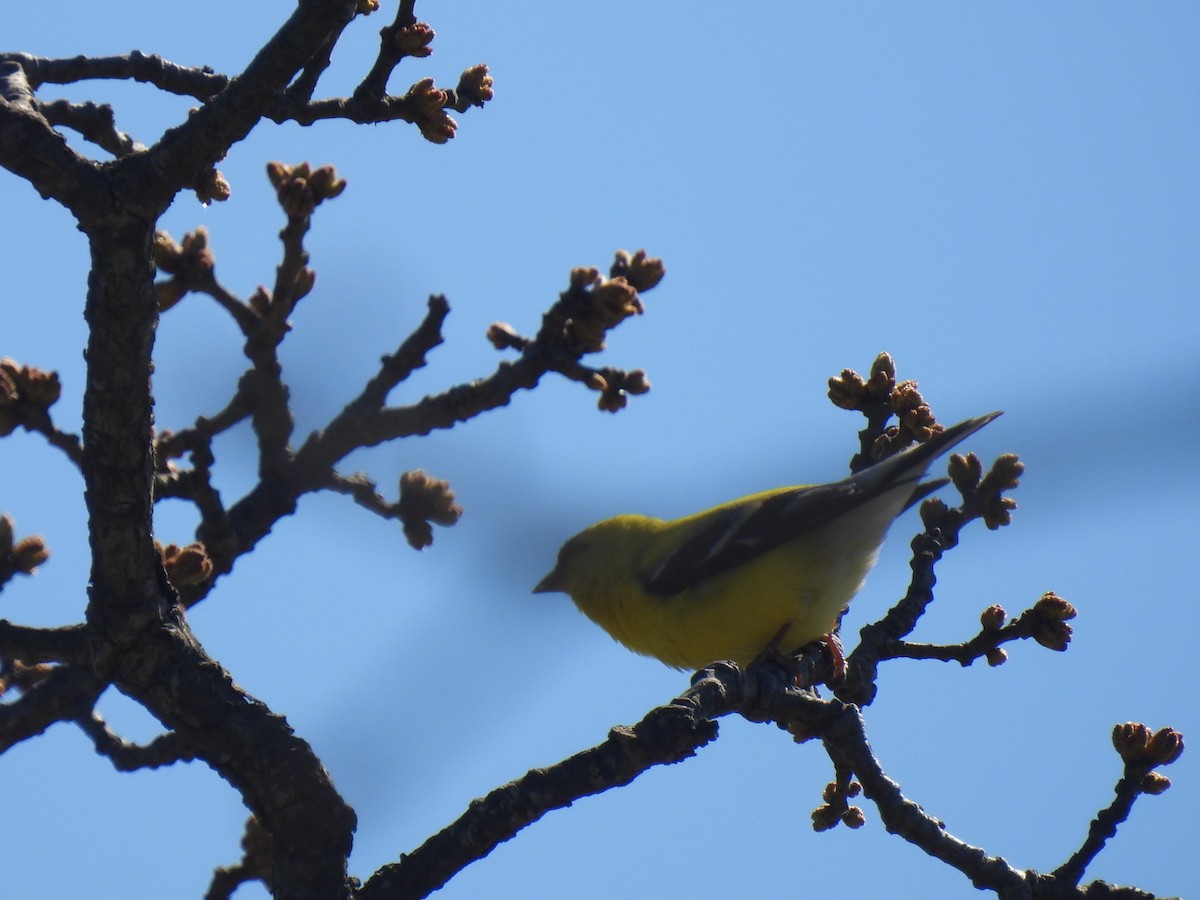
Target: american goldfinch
{"x": 768, "y": 572}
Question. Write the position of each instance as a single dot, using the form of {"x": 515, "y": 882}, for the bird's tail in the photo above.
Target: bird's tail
{"x": 915, "y": 461}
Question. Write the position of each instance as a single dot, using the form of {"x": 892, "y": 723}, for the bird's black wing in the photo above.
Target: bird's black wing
{"x": 738, "y": 534}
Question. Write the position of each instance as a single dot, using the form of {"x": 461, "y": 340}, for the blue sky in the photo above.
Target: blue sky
{"x": 1003, "y": 196}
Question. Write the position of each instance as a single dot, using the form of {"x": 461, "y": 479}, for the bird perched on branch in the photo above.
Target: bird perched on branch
{"x": 764, "y": 574}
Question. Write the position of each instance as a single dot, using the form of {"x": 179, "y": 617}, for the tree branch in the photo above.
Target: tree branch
{"x": 165, "y": 750}
{"x": 64, "y": 694}
{"x": 68, "y": 644}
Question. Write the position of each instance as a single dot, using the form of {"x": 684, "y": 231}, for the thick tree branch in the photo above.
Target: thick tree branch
{"x": 68, "y": 644}
{"x": 33, "y": 150}
{"x": 667, "y": 734}
{"x": 200, "y": 83}
{"x": 64, "y": 694}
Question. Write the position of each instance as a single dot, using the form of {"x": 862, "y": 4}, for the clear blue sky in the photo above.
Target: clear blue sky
{"x": 1004, "y": 196}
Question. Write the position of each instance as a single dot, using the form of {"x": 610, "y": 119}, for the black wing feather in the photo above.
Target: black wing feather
{"x": 738, "y": 534}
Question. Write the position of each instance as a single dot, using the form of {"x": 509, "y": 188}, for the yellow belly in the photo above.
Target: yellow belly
{"x": 795, "y": 592}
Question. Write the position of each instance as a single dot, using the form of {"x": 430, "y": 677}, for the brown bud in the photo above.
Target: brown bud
{"x": 187, "y": 565}
{"x": 418, "y": 533}
{"x": 438, "y": 128}
{"x": 613, "y": 401}
{"x": 996, "y": 656}
{"x": 260, "y": 300}
{"x": 29, "y": 553}
{"x": 825, "y": 817}
{"x": 618, "y": 299}
{"x": 933, "y": 512}
{"x": 1155, "y": 783}
{"x": 848, "y": 390}
{"x": 414, "y": 39}
{"x": 992, "y": 618}
{"x": 1130, "y": 740}
{"x": 425, "y": 97}
{"x": 166, "y": 253}
{"x": 1053, "y": 635}
{"x": 999, "y": 512}
{"x": 502, "y": 336}
{"x": 295, "y": 197}
{"x": 278, "y": 173}
{"x": 1164, "y": 747}
{"x": 853, "y": 817}
{"x": 39, "y": 388}
{"x": 475, "y": 85}
{"x": 212, "y": 187}
{"x": 582, "y": 276}
{"x": 641, "y": 271}
{"x": 325, "y": 184}
{"x": 883, "y": 375}
{"x": 423, "y": 499}
{"x": 1052, "y": 607}
{"x": 636, "y": 382}
{"x": 965, "y": 471}
{"x": 305, "y": 279}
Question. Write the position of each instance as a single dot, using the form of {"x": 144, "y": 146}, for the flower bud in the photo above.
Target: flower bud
{"x": 993, "y": 618}
{"x": 1164, "y": 747}
{"x": 29, "y": 553}
{"x": 1052, "y": 607}
{"x": 1130, "y": 740}
{"x": 1155, "y": 783}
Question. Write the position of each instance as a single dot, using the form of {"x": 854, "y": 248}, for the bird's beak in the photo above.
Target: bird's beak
{"x": 551, "y": 584}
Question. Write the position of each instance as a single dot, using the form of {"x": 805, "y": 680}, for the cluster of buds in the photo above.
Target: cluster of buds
{"x": 917, "y": 422}
{"x": 301, "y": 189}
{"x": 426, "y": 105}
{"x": 992, "y": 620}
{"x": 190, "y": 265}
{"x": 26, "y": 394}
{"x": 592, "y": 304}
{"x": 1005, "y": 475}
{"x": 212, "y": 186}
{"x": 22, "y": 556}
{"x": 1139, "y": 746}
{"x": 836, "y": 809}
{"x": 851, "y": 391}
{"x": 641, "y": 271}
{"x": 425, "y": 499}
{"x": 966, "y": 472}
{"x": 615, "y": 386}
{"x": 916, "y": 418}
{"x": 1052, "y": 612}
{"x": 414, "y": 39}
{"x": 475, "y": 86}
{"x": 188, "y": 565}
{"x": 426, "y": 109}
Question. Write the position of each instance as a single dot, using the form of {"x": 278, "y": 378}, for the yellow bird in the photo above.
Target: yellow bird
{"x": 768, "y": 572}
